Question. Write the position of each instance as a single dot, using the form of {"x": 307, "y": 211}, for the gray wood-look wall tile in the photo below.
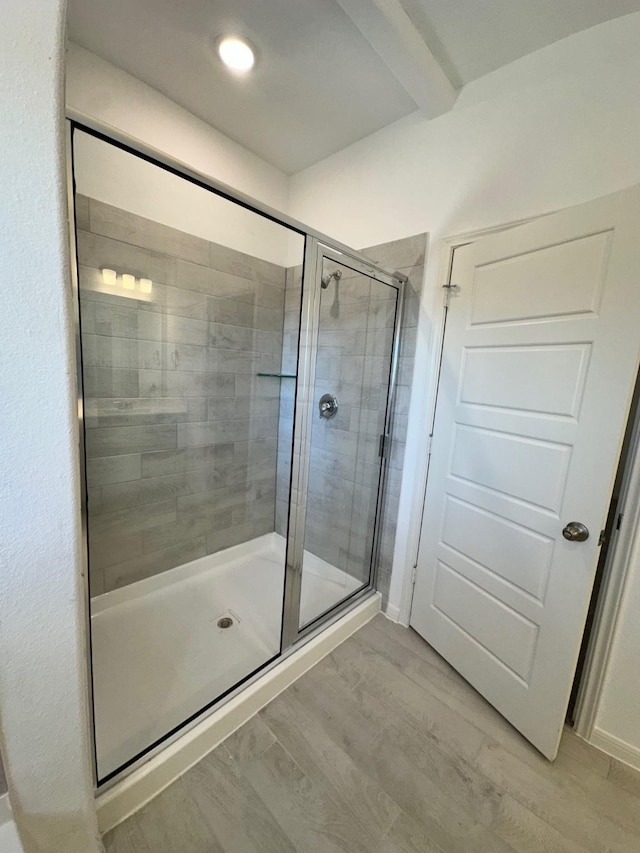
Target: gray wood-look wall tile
{"x": 126, "y": 227}
{"x": 123, "y": 321}
{"x": 96, "y": 251}
{"x": 152, "y": 490}
{"x": 173, "y": 363}
{"x": 174, "y": 300}
{"x": 82, "y": 212}
{"x": 353, "y": 347}
{"x": 114, "y": 469}
{"x": 117, "y": 441}
{"x": 134, "y": 519}
{"x": 114, "y": 412}
{"x": 215, "y": 282}
{"x": 160, "y": 383}
{"x": 113, "y": 547}
{"x": 238, "y": 263}
{"x": 148, "y": 565}
{"x": 188, "y": 354}
{"x": 109, "y": 382}
{"x": 186, "y": 530}
{"x": 163, "y": 462}
{"x": 232, "y": 535}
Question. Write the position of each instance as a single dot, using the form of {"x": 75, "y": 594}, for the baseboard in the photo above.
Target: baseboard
{"x": 616, "y": 747}
{"x": 9, "y": 838}
{"x": 146, "y": 782}
{"x": 392, "y": 612}
{"x": 5, "y": 809}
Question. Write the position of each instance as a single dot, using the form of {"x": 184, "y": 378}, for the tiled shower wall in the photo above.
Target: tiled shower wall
{"x": 181, "y": 438}
{"x": 351, "y": 364}
{"x": 407, "y": 256}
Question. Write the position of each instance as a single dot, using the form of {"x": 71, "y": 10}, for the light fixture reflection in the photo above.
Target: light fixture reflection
{"x": 145, "y": 285}
{"x": 109, "y": 277}
{"x": 128, "y": 281}
{"x": 236, "y": 53}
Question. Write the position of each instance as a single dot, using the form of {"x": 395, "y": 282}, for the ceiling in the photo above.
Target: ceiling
{"x": 317, "y": 86}
{"x": 329, "y": 72}
{"x": 470, "y": 38}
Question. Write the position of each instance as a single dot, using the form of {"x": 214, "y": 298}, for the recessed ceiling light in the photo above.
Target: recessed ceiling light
{"x": 237, "y": 54}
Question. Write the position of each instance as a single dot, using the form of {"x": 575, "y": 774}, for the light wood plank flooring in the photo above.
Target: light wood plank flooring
{"x": 383, "y": 748}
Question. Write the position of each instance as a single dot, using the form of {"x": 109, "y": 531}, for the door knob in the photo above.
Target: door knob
{"x": 575, "y": 531}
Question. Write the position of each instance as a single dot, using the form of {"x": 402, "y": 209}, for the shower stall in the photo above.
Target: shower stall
{"x": 236, "y": 377}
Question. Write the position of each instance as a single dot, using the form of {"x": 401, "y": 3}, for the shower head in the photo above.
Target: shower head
{"x": 326, "y": 279}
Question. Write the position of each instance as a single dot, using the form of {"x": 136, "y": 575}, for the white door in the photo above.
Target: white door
{"x": 540, "y": 356}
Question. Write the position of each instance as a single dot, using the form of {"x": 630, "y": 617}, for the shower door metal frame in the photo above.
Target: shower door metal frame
{"x": 315, "y": 253}
{"x": 317, "y": 247}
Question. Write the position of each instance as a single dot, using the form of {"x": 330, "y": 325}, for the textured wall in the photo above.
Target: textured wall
{"x": 181, "y": 435}
{"x": 353, "y": 347}
{"x": 45, "y": 743}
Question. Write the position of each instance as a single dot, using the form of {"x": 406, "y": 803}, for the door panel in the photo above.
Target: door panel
{"x": 539, "y": 359}
{"x": 356, "y": 325}
{"x": 546, "y": 282}
{"x": 561, "y": 371}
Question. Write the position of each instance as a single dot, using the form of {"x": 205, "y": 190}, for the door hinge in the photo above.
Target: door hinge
{"x": 619, "y": 520}
{"x": 382, "y": 447}
{"x": 414, "y": 573}
{"x": 602, "y": 538}
{"x": 448, "y": 290}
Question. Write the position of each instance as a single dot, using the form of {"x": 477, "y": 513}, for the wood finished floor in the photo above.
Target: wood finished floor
{"x": 383, "y": 748}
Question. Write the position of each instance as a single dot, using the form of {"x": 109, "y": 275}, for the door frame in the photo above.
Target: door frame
{"x": 615, "y": 574}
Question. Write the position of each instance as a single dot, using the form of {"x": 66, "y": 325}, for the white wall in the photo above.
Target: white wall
{"x": 617, "y": 722}
{"x": 552, "y": 130}
{"x": 43, "y": 694}
{"x": 614, "y": 680}
{"x": 101, "y": 91}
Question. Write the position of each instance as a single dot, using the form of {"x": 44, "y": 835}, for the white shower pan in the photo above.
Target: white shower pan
{"x": 159, "y": 656}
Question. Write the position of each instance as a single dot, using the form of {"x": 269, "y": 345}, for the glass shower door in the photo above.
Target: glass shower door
{"x": 181, "y": 298}
{"x": 350, "y": 372}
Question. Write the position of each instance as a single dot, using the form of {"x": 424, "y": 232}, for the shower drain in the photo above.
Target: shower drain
{"x": 227, "y": 619}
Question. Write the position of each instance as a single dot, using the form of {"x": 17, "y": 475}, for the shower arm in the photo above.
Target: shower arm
{"x": 325, "y": 281}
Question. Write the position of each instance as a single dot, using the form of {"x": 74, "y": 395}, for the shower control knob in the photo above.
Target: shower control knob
{"x": 328, "y": 406}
